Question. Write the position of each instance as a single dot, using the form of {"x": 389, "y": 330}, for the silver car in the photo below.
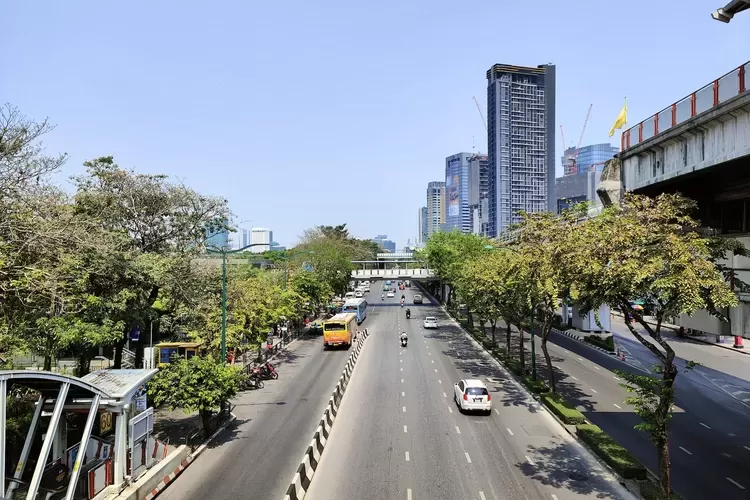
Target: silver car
{"x": 430, "y": 322}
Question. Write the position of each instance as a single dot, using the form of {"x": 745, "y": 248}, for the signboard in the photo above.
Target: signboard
{"x": 135, "y": 334}
{"x": 451, "y": 196}
{"x": 139, "y": 399}
{"x": 105, "y": 422}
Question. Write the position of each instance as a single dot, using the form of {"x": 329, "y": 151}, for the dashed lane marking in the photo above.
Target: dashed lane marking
{"x": 617, "y": 406}
{"x": 509, "y": 431}
{"x": 402, "y": 381}
{"x": 404, "y": 429}
{"x": 704, "y": 425}
{"x": 685, "y": 450}
{"x": 594, "y": 391}
{"x": 468, "y": 458}
{"x": 531, "y": 462}
{"x": 440, "y": 381}
{"x": 735, "y": 483}
{"x": 403, "y": 394}
{"x": 573, "y": 377}
{"x": 445, "y": 395}
{"x": 408, "y": 493}
{"x": 407, "y": 456}
{"x": 450, "y": 410}
{"x": 497, "y": 411}
{"x": 404, "y": 409}
{"x": 458, "y": 431}
{"x": 481, "y": 496}
{"x": 435, "y": 370}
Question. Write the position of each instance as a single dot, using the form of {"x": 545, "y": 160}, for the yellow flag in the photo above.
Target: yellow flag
{"x": 622, "y": 119}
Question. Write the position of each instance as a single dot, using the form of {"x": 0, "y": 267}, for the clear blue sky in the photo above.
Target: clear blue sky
{"x": 303, "y": 113}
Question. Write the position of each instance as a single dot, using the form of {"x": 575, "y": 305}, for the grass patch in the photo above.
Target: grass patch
{"x": 651, "y": 491}
{"x": 607, "y": 343}
{"x": 562, "y": 409}
{"x": 620, "y": 459}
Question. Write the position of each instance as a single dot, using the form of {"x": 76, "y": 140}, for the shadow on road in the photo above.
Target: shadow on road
{"x": 558, "y": 465}
{"x": 231, "y": 433}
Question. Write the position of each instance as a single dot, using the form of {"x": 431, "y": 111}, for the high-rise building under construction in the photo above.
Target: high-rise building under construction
{"x": 520, "y": 142}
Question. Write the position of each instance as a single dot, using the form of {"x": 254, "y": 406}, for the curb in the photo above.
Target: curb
{"x": 306, "y": 470}
{"x": 190, "y": 458}
{"x": 580, "y": 339}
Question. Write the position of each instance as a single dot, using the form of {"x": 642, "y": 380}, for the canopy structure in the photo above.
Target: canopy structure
{"x": 726, "y": 13}
{"x": 110, "y": 390}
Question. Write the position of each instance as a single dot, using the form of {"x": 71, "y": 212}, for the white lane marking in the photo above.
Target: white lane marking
{"x": 554, "y": 497}
{"x": 407, "y": 456}
{"x": 574, "y": 378}
{"x": 704, "y": 425}
{"x": 509, "y": 431}
{"x": 747, "y": 448}
{"x": 481, "y": 496}
{"x": 594, "y": 391}
{"x": 435, "y": 370}
{"x": 732, "y": 434}
{"x": 468, "y": 458}
{"x": 445, "y": 395}
{"x": 440, "y": 381}
{"x": 402, "y": 381}
{"x": 617, "y": 378}
{"x": 580, "y": 359}
{"x": 408, "y": 493}
{"x": 403, "y": 394}
{"x": 400, "y": 360}
{"x": 458, "y": 431}
{"x": 450, "y": 410}
{"x": 617, "y": 406}
{"x": 404, "y": 429}
{"x": 402, "y": 369}
{"x": 433, "y": 361}
{"x": 497, "y": 411}
{"x": 404, "y": 409}
{"x": 735, "y": 483}
{"x": 531, "y": 462}
{"x": 596, "y": 367}
{"x": 727, "y": 454}
{"x": 685, "y": 450}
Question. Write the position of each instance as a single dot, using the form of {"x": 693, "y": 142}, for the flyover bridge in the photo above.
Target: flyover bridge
{"x": 396, "y": 265}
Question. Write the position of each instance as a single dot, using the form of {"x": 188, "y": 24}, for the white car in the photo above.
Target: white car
{"x": 359, "y": 294}
{"x": 430, "y": 322}
{"x": 391, "y": 294}
{"x": 471, "y": 394}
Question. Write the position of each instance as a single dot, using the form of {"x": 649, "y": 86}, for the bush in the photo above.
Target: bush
{"x": 514, "y": 366}
{"x": 620, "y": 459}
{"x": 537, "y": 386}
{"x": 651, "y": 491}
{"x": 607, "y": 343}
{"x": 562, "y": 409}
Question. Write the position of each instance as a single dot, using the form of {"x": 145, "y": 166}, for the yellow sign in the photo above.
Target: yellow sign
{"x": 105, "y": 422}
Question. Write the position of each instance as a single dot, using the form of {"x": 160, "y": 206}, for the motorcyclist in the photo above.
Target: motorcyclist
{"x": 382, "y": 296}
{"x": 404, "y": 338}
{"x": 408, "y": 313}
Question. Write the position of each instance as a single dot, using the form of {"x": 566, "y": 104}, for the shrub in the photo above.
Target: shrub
{"x": 562, "y": 409}
{"x": 620, "y": 459}
{"x": 607, "y": 343}
{"x": 514, "y": 366}
{"x": 537, "y": 386}
{"x": 651, "y": 491}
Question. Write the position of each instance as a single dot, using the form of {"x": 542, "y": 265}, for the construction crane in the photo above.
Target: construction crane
{"x": 480, "y": 113}
{"x": 574, "y": 166}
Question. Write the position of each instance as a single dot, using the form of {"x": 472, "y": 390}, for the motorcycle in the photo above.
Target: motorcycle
{"x": 267, "y": 371}
{"x": 254, "y": 379}
{"x": 402, "y": 304}
{"x": 404, "y": 341}
{"x": 408, "y": 314}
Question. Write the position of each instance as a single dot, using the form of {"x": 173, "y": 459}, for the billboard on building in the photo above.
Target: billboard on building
{"x": 451, "y": 196}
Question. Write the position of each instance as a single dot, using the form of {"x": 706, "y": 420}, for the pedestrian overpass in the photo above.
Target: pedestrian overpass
{"x": 396, "y": 265}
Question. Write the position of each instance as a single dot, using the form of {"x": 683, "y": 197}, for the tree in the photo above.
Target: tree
{"x": 446, "y": 252}
{"x": 159, "y": 218}
{"x": 649, "y": 248}
{"x": 200, "y": 384}
{"x": 543, "y": 250}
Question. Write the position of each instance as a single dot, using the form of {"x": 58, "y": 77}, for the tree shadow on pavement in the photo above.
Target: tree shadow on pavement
{"x": 560, "y": 465}
{"x": 231, "y": 433}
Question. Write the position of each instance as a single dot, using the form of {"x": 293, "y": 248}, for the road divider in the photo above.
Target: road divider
{"x": 303, "y": 477}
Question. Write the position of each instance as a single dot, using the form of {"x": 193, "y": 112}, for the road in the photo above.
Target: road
{"x": 398, "y": 434}
{"x": 257, "y": 456}
{"x": 710, "y": 440}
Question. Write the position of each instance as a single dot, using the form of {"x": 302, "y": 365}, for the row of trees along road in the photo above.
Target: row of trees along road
{"x": 644, "y": 248}
{"x": 81, "y": 270}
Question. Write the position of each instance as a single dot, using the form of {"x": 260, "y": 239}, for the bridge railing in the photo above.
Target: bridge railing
{"x": 720, "y": 90}
{"x": 393, "y": 273}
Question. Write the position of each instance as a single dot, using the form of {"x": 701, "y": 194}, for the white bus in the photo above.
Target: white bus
{"x": 356, "y": 306}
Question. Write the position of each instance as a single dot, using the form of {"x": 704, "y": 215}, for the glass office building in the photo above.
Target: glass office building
{"x": 589, "y": 157}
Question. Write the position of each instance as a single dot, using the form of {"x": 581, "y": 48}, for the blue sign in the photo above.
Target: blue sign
{"x": 135, "y": 333}
{"x": 307, "y": 267}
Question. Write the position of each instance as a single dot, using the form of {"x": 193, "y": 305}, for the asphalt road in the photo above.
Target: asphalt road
{"x": 257, "y": 456}
{"x": 710, "y": 432}
{"x": 399, "y": 435}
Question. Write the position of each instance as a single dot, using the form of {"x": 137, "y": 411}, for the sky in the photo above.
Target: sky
{"x": 306, "y": 113}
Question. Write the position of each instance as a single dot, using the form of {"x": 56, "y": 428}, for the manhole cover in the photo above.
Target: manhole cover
{"x": 577, "y": 476}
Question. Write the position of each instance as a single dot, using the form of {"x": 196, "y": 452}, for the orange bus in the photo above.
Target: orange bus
{"x": 339, "y": 330}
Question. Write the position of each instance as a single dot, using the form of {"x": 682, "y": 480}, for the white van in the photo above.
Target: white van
{"x": 349, "y": 295}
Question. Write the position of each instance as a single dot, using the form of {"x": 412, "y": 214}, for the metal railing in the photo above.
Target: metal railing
{"x": 707, "y": 97}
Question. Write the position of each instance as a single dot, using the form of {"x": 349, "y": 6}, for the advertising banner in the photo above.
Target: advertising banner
{"x": 451, "y": 196}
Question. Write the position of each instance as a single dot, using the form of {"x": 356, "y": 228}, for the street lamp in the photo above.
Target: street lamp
{"x": 726, "y": 13}
{"x": 224, "y": 252}
{"x": 285, "y": 258}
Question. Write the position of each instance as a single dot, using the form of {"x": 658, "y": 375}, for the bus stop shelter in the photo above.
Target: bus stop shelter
{"x": 111, "y": 393}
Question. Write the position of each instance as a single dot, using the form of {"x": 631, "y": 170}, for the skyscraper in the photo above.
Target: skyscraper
{"x": 457, "y": 179}
{"x": 383, "y": 241}
{"x": 422, "y": 226}
{"x": 435, "y": 207}
{"x": 261, "y": 235}
{"x": 588, "y": 157}
{"x": 478, "y": 206}
{"x": 520, "y": 142}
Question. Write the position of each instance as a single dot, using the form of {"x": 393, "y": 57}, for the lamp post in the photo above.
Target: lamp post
{"x": 224, "y": 252}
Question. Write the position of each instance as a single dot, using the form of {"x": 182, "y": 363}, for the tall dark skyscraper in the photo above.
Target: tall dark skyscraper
{"x": 520, "y": 142}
